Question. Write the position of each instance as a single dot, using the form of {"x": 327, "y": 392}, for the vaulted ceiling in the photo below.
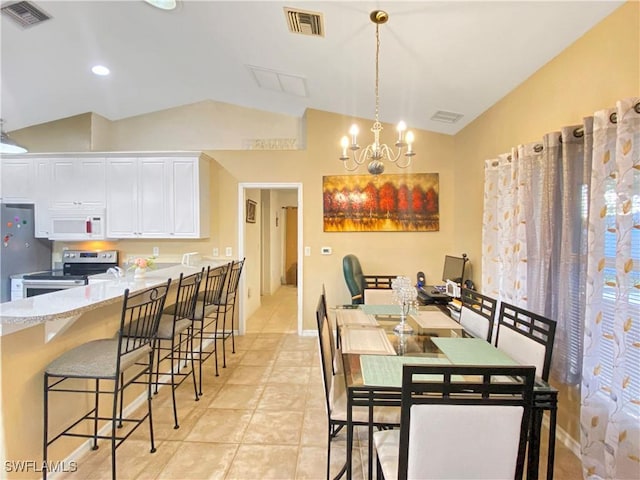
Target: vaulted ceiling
{"x": 450, "y": 56}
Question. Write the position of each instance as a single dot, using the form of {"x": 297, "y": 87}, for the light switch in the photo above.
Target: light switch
{"x": 156, "y": 251}
{"x": 307, "y": 251}
{"x": 228, "y": 251}
{"x": 325, "y": 250}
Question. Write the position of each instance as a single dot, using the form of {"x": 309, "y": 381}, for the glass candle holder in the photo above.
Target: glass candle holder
{"x": 406, "y": 295}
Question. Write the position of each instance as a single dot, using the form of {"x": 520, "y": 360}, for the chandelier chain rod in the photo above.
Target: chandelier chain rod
{"x": 377, "y": 69}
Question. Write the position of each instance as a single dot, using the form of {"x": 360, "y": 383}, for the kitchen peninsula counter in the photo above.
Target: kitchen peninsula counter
{"x": 39, "y": 329}
{"x": 73, "y": 302}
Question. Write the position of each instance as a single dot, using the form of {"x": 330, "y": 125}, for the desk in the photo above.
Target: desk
{"x": 376, "y": 382}
{"x": 428, "y": 295}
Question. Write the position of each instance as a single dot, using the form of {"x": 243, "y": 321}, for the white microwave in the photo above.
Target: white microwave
{"x": 77, "y": 226}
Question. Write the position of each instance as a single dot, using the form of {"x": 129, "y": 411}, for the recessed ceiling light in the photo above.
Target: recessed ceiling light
{"x": 163, "y": 4}
{"x": 100, "y": 70}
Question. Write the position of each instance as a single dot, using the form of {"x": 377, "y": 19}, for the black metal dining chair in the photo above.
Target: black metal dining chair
{"x": 448, "y": 412}
{"x": 105, "y": 360}
{"x": 526, "y": 337}
{"x": 478, "y": 314}
{"x": 336, "y": 395}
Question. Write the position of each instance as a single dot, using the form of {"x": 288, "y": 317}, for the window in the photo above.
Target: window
{"x": 632, "y": 329}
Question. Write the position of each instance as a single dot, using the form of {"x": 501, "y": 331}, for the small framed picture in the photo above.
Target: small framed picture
{"x": 251, "y": 211}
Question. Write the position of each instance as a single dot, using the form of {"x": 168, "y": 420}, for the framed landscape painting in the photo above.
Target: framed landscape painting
{"x": 384, "y": 203}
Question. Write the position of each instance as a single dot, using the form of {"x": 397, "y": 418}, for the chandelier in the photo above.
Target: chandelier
{"x": 8, "y": 145}
{"x": 376, "y": 153}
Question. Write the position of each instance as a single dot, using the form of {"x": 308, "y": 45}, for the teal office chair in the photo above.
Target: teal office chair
{"x": 357, "y": 282}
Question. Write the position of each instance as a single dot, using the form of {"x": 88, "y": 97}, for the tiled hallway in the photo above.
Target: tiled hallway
{"x": 262, "y": 418}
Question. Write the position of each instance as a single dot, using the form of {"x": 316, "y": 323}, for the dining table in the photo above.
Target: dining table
{"x": 373, "y": 353}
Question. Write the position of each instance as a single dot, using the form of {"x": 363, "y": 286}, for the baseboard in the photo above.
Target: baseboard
{"x": 563, "y": 437}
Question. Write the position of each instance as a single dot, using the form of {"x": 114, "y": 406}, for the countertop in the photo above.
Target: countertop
{"x": 103, "y": 290}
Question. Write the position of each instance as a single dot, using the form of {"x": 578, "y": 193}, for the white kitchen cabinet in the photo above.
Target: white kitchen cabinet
{"x": 188, "y": 214}
{"x": 157, "y": 197}
{"x": 42, "y": 179}
{"x": 17, "y": 180}
{"x": 144, "y": 195}
{"x": 77, "y": 183}
{"x": 137, "y": 198}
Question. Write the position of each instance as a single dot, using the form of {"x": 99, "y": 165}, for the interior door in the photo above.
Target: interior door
{"x": 291, "y": 246}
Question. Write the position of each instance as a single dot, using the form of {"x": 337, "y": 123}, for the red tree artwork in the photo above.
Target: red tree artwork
{"x": 393, "y": 203}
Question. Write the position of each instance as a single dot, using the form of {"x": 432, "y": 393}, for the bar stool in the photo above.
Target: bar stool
{"x": 206, "y": 315}
{"x": 227, "y": 304}
{"x": 107, "y": 359}
{"x": 174, "y": 340}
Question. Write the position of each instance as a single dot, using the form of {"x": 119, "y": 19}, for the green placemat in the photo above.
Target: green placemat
{"x": 381, "y": 309}
{"x": 386, "y": 370}
{"x": 472, "y": 351}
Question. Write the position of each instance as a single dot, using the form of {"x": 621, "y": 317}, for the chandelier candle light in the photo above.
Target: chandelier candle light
{"x": 376, "y": 152}
{"x": 406, "y": 295}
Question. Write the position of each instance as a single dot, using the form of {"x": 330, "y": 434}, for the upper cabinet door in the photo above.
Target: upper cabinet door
{"x": 122, "y": 197}
{"x": 17, "y": 180}
{"x": 185, "y": 207}
{"x": 78, "y": 183}
{"x": 153, "y": 197}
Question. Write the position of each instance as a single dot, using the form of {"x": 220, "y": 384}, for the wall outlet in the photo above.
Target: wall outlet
{"x": 228, "y": 251}
{"x": 216, "y": 252}
{"x": 156, "y": 251}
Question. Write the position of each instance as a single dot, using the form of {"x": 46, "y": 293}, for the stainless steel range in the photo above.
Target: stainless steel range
{"x": 77, "y": 266}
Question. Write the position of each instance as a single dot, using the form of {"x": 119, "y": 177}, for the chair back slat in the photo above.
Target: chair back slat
{"x": 447, "y": 413}
{"x": 235, "y": 272}
{"x": 526, "y": 337}
{"x": 478, "y": 314}
{"x": 187, "y": 295}
{"x": 141, "y": 312}
{"x": 215, "y": 282}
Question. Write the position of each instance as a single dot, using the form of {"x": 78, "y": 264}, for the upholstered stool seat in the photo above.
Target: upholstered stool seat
{"x": 96, "y": 359}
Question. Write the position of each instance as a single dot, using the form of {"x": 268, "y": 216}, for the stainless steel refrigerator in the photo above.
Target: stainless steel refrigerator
{"x": 20, "y": 251}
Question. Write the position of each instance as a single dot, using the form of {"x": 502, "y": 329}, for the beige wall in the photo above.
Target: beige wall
{"x": 600, "y": 68}
{"x": 379, "y": 252}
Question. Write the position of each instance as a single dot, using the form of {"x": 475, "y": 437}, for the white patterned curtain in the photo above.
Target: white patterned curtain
{"x": 504, "y": 236}
{"x": 534, "y": 235}
{"x": 541, "y": 203}
{"x": 610, "y": 411}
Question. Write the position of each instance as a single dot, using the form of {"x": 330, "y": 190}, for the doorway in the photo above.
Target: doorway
{"x": 290, "y": 245}
{"x": 269, "y": 268}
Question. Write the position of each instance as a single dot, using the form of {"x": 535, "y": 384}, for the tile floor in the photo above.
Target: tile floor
{"x": 262, "y": 418}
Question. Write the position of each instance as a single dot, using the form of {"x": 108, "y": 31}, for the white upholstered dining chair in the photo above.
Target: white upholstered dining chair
{"x": 335, "y": 391}
{"x": 477, "y": 314}
{"x": 448, "y": 412}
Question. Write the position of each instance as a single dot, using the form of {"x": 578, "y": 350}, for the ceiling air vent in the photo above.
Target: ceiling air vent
{"x": 446, "y": 117}
{"x": 306, "y": 23}
{"x": 26, "y": 14}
